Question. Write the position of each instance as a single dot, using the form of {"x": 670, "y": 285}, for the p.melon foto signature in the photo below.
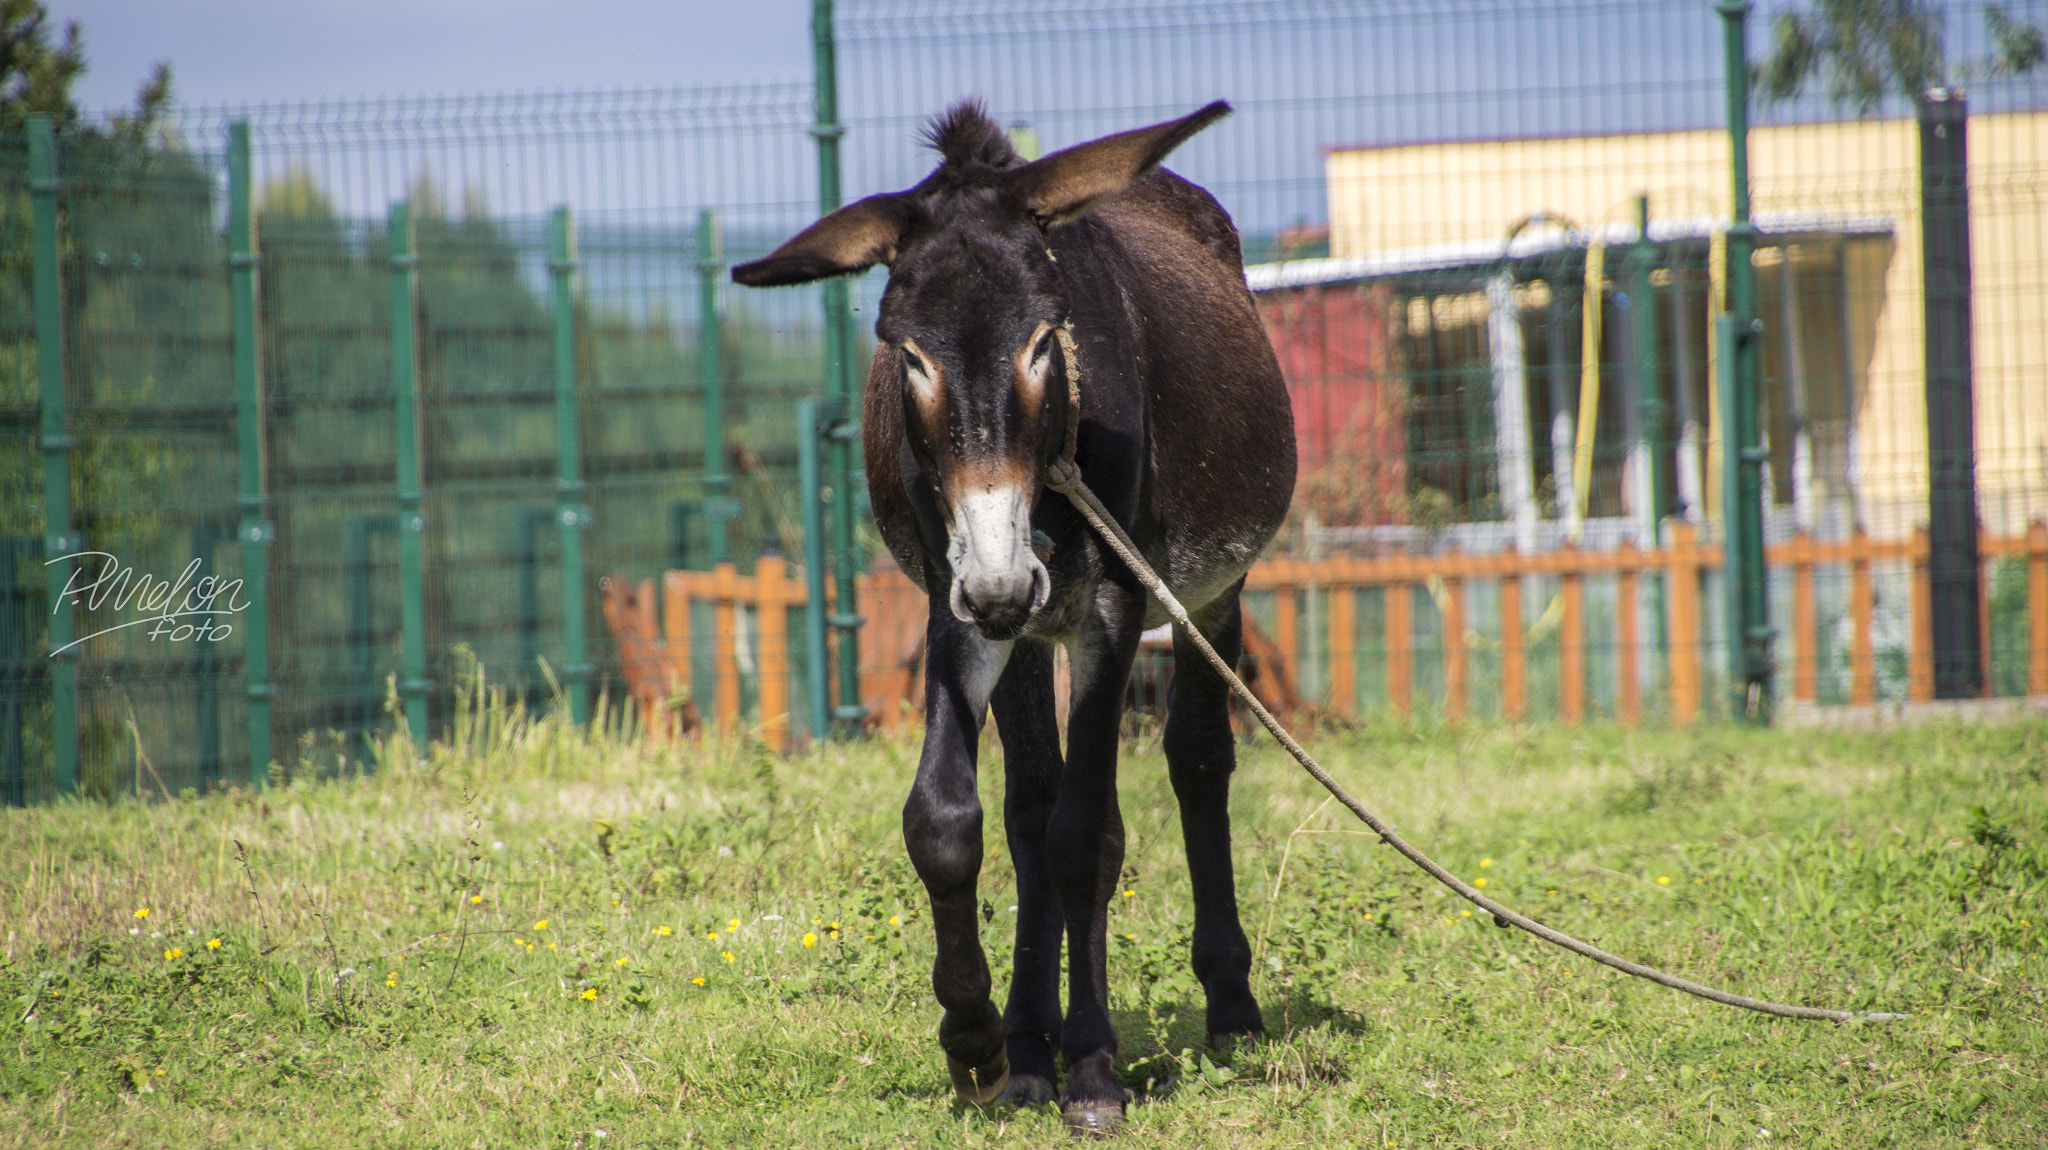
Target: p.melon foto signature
{"x": 179, "y": 609}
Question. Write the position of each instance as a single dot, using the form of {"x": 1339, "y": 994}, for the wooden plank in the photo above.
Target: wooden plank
{"x": 1454, "y": 649}
{"x": 1805, "y": 631}
{"x": 1343, "y": 648}
{"x": 1683, "y": 618}
{"x": 771, "y": 651}
{"x": 1571, "y": 645}
{"x": 1628, "y": 689}
{"x": 1273, "y": 574}
{"x": 1286, "y": 628}
{"x": 1400, "y": 614}
{"x": 1984, "y": 677}
{"x": 1514, "y": 672}
{"x": 675, "y": 626}
{"x": 726, "y": 700}
{"x": 1920, "y": 662}
{"x": 2037, "y": 608}
{"x": 1862, "y": 604}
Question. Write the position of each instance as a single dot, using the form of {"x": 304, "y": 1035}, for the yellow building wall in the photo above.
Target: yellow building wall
{"x": 1385, "y": 199}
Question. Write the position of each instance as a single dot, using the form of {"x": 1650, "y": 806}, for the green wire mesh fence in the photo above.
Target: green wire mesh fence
{"x": 1489, "y": 239}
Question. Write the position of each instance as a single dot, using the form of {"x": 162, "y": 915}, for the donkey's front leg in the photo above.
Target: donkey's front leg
{"x": 1085, "y": 851}
{"x": 942, "y": 829}
{"x": 1026, "y": 719}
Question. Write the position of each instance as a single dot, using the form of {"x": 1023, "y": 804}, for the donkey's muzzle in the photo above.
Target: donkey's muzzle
{"x": 1000, "y": 603}
{"x": 997, "y": 580}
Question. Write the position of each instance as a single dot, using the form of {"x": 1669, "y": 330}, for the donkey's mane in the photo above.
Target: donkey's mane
{"x": 966, "y": 134}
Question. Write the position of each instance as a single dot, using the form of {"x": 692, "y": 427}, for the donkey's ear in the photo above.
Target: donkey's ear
{"x": 1067, "y": 183}
{"x": 854, "y": 238}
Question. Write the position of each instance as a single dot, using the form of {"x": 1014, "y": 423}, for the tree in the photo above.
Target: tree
{"x": 36, "y": 75}
{"x": 40, "y": 65}
{"x": 1866, "y": 49}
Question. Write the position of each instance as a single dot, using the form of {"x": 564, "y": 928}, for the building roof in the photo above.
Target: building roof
{"x": 1533, "y": 242}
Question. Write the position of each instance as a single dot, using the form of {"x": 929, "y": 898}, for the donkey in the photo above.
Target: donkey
{"x": 1088, "y": 306}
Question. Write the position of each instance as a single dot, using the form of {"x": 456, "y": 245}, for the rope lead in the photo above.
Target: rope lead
{"x": 1064, "y": 477}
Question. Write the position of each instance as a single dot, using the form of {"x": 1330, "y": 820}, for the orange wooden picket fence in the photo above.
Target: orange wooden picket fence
{"x": 655, "y": 654}
{"x": 894, "y": 609}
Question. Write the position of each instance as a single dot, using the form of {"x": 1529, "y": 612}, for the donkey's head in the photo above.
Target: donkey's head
{"x": 970, "y": 325}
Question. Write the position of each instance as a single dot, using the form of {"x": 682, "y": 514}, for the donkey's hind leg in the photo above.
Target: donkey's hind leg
{"x": 1024, "y": 711}
{"x": 1201, "y": 753}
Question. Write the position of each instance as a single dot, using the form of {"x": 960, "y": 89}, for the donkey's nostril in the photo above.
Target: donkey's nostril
{"x": 1000, "y": 604}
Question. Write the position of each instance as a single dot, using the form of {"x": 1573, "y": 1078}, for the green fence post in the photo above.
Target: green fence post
{"x": 1954, "y": 564}
{"x": 412, "y": 519}
{"x": 255, "y": 531}
{"x": 1650, "y": 406}
{"x": 569, "y": 487}
{"x": 809, "y": 434}
{"x": 840, "y": 385}
{"x": 719, "y": 506}
{"x": 59, "y": 541}
{"x": 1743, "y": 458}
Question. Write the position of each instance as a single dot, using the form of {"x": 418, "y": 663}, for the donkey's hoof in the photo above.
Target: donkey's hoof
{"x": 980, "y": 1085}
{"x": 1093, "y": 1119}
{"x": 1227, "y": 1043}
{"x": 1028, "y": 1090}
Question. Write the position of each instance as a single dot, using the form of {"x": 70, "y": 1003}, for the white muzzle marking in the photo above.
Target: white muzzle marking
{"x": 995, "y": 574}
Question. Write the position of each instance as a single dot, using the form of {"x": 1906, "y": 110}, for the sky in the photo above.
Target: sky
{"x": 1304, "y": 74}
{"x": 267, "y": 51}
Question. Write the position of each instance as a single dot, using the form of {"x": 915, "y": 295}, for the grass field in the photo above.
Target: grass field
{"x": 538, "y": 939}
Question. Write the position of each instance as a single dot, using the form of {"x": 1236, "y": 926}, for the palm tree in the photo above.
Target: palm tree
{"x": 1867, "y": 49}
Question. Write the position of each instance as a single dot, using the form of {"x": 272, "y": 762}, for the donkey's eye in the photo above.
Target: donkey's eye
{"x": 1043, "y": 352}
{"x": 919, "y": 374}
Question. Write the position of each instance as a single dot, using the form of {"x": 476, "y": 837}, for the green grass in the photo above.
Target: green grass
{"x": 381, "y": 977}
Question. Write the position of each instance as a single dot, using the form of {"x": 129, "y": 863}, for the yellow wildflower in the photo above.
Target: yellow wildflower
{"x": 1465, "y": 913}
{"x": 1485, "y": 862}
{"x": 895, "y": 920}
{"x": 622, "y": 962}
{"x": 1480, "y": 881}
{"x": 541, "y": 925}
{"x": 590, "y": 994}
{"x": 699, "y": 980}
{"x": 1663, "y": 880}
{"x": 475, "y": 898}
{"x": 213, "y": 944}
{"x": 810, "y": 940}
{"x": 729, "y": 957}
{"x": 733, "y": 927}
{"x": 173, "y": 954}
{"x": 663, "y": 930}
{"x": 712, "y": 935}
{"x": 1130, "y": 894}
{"x": 142, "y": 912}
